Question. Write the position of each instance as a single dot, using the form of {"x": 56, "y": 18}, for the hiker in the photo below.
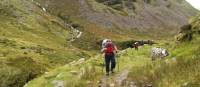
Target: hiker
{"x": 110, "y": 51}
{"x": 136, "y": 45}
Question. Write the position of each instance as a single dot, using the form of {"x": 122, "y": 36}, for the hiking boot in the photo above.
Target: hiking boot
{"x": 112, "y": 72}
{"x": 107, "y": 74}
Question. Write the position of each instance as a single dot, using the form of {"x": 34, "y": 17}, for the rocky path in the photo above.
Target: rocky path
{"x": 117, "y": 80}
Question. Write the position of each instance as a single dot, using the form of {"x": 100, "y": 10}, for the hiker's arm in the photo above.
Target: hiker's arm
{"x": 116, "y": 49}
{"x": 103, "y": 50}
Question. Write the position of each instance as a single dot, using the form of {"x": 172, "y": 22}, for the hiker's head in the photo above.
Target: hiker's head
{"x": 109, "y": 41}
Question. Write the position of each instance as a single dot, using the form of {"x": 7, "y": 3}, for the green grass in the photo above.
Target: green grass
{"x": 172, "y": 74}
{"x": 65, "y": 74}
{"x": 184, "y": 72}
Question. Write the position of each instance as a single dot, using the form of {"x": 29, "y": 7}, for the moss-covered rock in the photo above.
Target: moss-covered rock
{"x": 185, "y": 33}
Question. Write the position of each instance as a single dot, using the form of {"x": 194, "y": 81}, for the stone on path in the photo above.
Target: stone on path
{"x": 58, "y": 83}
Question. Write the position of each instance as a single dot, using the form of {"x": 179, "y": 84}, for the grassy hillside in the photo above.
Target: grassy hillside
{"x": 180, "y": 69}
{"x": 90, "y": 72}
{"x": 162, "y": 73}
{"x": 35, "y": 37}
{"x": 32, "y": 42}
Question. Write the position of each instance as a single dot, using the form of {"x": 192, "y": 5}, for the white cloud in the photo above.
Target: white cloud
{"x": 195, "y": 3}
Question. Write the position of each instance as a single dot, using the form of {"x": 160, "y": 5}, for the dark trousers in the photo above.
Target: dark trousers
{"x": 110, "y": 58}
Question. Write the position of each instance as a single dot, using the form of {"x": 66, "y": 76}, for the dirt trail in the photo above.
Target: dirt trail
{"x": 119, "y": 80}
{"x": 116, "y": 80}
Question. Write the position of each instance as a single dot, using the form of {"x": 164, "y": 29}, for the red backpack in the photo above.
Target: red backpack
{"x": 110, "y": 48}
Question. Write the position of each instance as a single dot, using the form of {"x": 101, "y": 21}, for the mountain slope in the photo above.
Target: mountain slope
{"x": 131, "y": 17}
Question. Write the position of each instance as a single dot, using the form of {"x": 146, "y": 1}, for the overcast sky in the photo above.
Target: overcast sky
{"x": 195, "y": 3}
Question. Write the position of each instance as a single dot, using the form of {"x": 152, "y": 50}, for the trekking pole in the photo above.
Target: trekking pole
{"x": 117, "y": 62}
{"x": 103, "y": 66}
